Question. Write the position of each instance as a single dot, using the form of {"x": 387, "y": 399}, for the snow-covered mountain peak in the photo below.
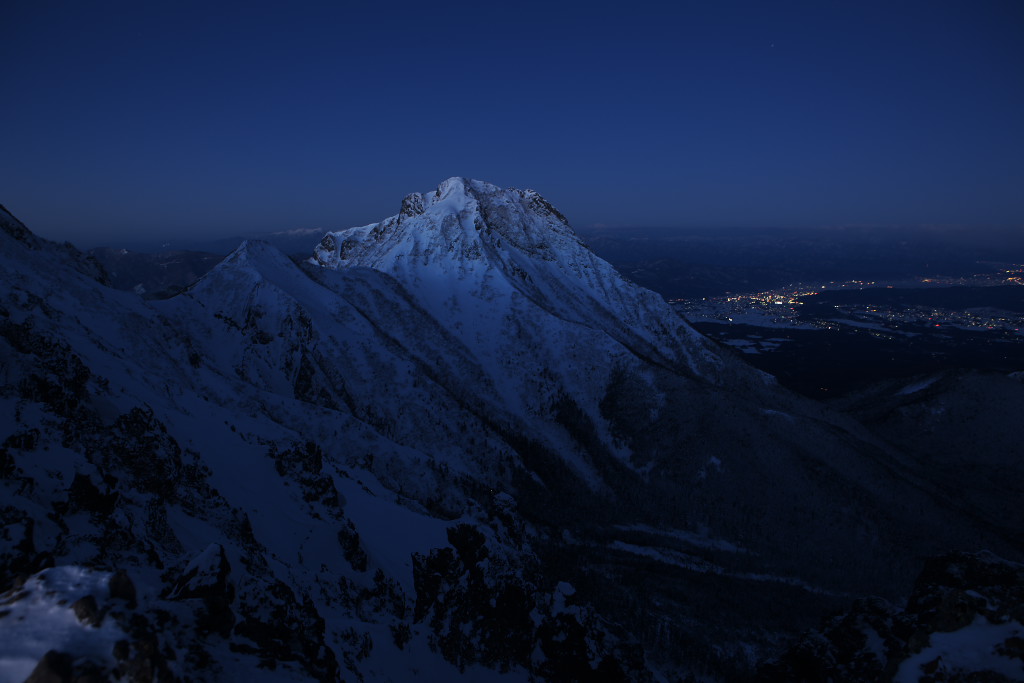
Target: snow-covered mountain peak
{"x": 462, "y": 219}
{"x": 257, "y": 252}
{"x": 478, "y": 256}
{"x": 250, "y": 260}
{"x": 254, "y": 263}
{"x": 451, "y": 196}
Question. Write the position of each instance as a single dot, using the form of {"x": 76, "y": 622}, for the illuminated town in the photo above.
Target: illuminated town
{"x": 786, "y": 307}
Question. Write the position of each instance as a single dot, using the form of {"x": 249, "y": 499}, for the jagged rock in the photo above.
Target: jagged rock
{"x": 991, "y": 585}
{"x": 25, "y": 441}
{"x": 54, "y": 667}
{"x": 90, "y": 672}
{"x": 122, "y": 588}
{"x": 18, "y": 556}
{"x": 87, "y": 611}
{"x": 956, "y": 597}
{"x": 92, "y": 678}
{"x": 206, "y": 575}
{"x": 348, "y": 538}
{"x": 146, "y": 661}
{"x": 285, "y": 629}
{"x": 122, "y": 650}
{"x": 206, "y": 578}
{"x": 85, "y": 495}
{"x": 482, "y": 610}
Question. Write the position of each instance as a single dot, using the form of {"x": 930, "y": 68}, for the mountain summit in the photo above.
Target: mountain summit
{"x": 460, "y": 219}
{"x": 478, "y": 257}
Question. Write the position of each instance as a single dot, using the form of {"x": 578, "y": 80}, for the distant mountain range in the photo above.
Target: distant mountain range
{"x": 161, "y": 274}
{"x": 452, "y": 444}
{"x": 292, "y": 242}
{"x": 162, "y": 270}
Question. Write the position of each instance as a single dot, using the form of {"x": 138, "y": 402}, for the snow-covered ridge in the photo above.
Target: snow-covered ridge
{"x": 463, "y": 219}
{"x": 16, "y": 229}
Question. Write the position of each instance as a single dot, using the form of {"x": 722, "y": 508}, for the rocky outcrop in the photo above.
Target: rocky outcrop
{"x": 964, "y": 621}
{"x": 491, "y": 608}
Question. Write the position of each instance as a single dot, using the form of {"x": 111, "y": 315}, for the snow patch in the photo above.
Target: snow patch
{"x": 39, "y": 618}
{"x": 971, "y": 649}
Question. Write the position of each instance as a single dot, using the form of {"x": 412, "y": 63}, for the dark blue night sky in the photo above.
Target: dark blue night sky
{"x": 163, "y": 119}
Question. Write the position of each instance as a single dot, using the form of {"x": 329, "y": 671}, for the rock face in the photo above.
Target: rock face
{"x": 964, "y": 621}
{"x": 455, "y": 439}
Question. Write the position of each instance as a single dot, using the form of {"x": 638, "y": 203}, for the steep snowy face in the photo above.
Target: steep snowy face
{"x": 478, "y": 256}
{"x": 463, "y": 221}
{"x": 345, "y": 341}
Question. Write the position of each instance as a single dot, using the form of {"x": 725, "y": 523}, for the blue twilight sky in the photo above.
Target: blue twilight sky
{"x": 177, "y": 119}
